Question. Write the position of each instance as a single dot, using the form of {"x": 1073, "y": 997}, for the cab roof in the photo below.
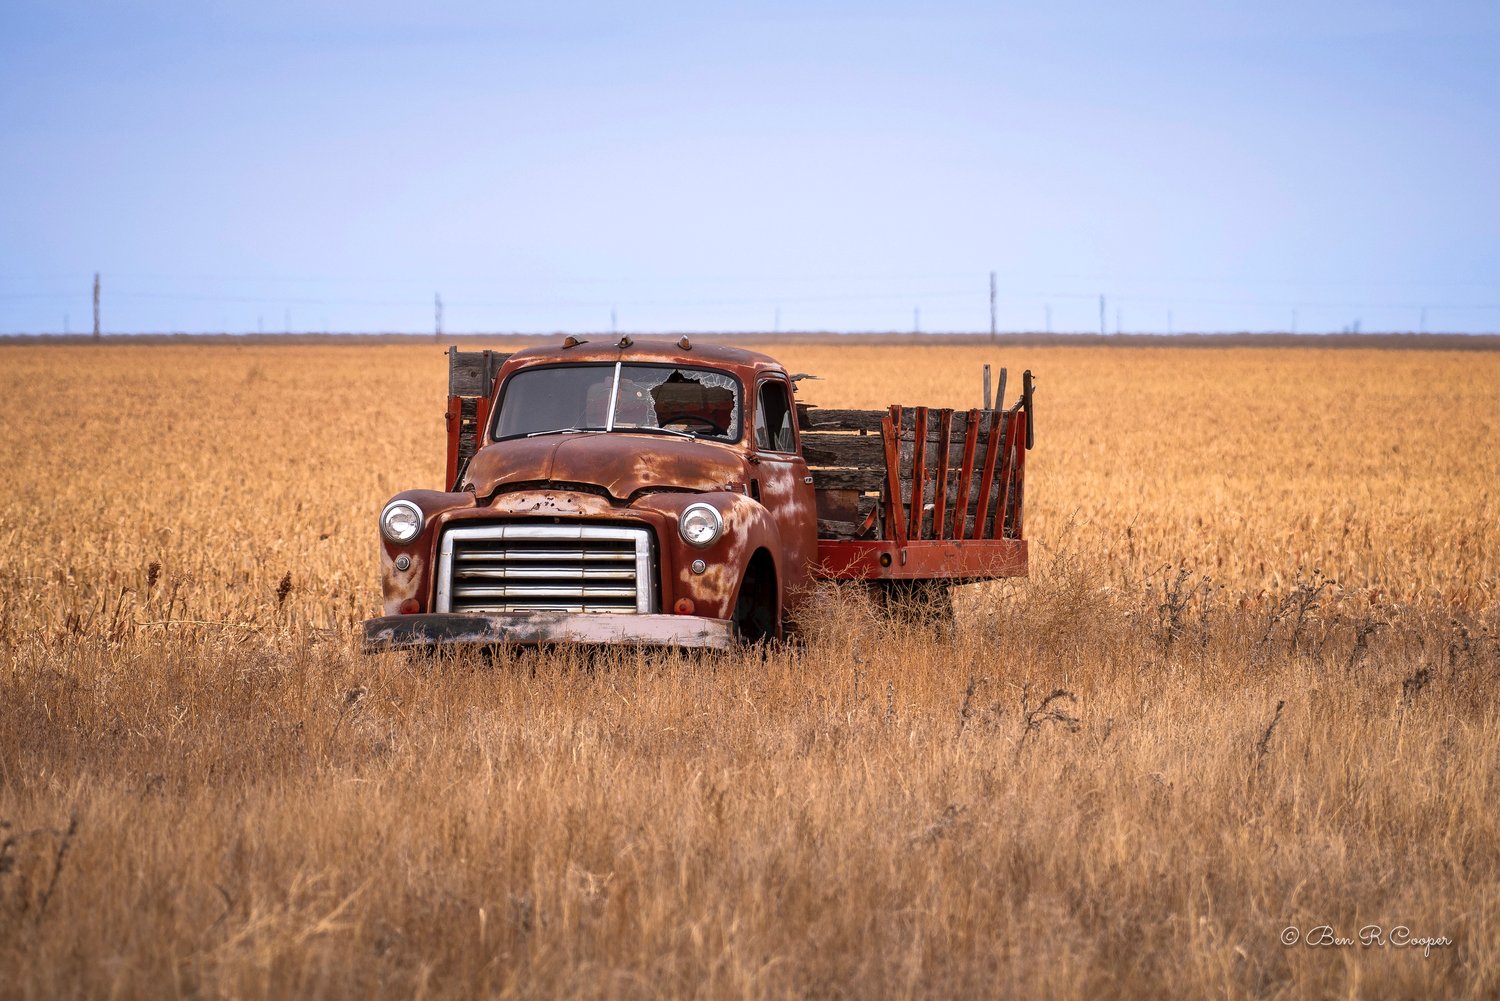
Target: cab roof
{"x": 647, "y": 349}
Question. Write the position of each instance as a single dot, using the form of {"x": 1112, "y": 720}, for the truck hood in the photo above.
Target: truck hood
{"x": 620, "y": 462}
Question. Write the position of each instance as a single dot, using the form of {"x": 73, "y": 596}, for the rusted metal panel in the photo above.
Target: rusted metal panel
{"x": 453, "y": 422}
{"x": 621, "y": 463}
{"x": 838, "y": 505}
{"x": 396, "y": 632}
{"x": 885, "y": 559}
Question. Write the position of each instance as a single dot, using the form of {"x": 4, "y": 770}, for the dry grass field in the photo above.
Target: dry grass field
{"x": 1253, "y": 683}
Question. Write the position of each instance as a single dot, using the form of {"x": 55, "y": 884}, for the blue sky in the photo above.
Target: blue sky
{"x": 701, "y": 166}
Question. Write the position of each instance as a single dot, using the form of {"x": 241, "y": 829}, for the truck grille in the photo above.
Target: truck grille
{"x": 565, "y": 568}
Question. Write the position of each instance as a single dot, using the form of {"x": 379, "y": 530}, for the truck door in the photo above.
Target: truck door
{"x": 780, "y": 476}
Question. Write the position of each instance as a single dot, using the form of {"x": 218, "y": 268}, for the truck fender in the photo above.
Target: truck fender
{"x": 748, "y": 528}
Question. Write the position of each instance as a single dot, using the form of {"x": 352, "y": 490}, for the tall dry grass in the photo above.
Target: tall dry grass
{"x": 1123, "y": 777}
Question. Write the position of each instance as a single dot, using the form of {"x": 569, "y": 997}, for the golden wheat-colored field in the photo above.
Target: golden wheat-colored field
{"x": 1252, "y": 685}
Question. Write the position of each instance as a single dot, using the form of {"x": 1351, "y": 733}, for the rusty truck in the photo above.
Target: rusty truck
{"x": 677, "y": 493}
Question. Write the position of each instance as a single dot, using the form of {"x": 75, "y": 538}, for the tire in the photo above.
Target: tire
{"x": 755, "y": 611}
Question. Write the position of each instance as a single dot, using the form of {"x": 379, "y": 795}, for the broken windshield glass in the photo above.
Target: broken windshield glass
{"x": 574, "y": 398}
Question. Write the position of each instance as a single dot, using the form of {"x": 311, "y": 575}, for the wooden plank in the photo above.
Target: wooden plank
{"x": 966, "y": 470}
{"x": 847, "y": 479}
{"x": 1004, "y": 506}
{"x": 896, "y": 524}
{"x": 987, "y": 477}
{"x": 818, "y": 419}
{"x": 821, "y": 448}
{"x": 918, "y": 474}
{"x": 1028, "y": 387}
{"x": 940, "y": 496}
{"x": 472, "y": 373}
{"x": 1017, "y": 518}
{"x": 829, "y": 528}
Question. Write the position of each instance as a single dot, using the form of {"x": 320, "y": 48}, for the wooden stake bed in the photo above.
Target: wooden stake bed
{"x": 933, "y": 494}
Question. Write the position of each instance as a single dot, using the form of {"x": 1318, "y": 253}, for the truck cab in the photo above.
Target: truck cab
{"x": 643, "y": 492}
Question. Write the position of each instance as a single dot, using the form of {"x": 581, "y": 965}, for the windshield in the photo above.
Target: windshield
{"x": 666, "y": 398}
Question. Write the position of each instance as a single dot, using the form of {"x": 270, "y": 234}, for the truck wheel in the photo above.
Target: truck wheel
{"x": 755, "y": 608}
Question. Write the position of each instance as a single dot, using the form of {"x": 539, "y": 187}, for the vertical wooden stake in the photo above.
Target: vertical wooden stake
{"x": 918, "y": 474}
{"x": 940, "y": 495}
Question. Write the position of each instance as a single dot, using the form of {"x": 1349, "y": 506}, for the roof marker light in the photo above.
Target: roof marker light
{"x": 685, "y": 344}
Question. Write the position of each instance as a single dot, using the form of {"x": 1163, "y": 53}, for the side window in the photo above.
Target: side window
{"x": 773, "y": 419}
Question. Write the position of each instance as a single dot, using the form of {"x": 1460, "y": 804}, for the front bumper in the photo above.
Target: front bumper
{"x": 404, "y": 632}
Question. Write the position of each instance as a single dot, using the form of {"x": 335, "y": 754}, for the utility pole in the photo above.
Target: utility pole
{"x": 1424, "y": 320}
{"x": 437, "y": 316}
{"x": 1102, "y": 330}
{"x": 96, "y": 305}
{"x": 778, "y": 319}
{"x": 1117, "y": 321}
{"x": 992, "y": 306}
{"x": 916, "y": 320}
{"x": 1049, "y": 317}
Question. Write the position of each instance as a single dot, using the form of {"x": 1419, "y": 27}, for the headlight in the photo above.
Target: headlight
{"x": 700, "y": 525}
{"x": 401, "y": 521}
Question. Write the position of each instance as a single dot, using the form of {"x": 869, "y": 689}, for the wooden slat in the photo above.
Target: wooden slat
{"x": 958, "y": 429}
{"x": 966, "y": 473}
{"x": 893, "y": 519}
{"x": 862, "y": 479}
{"x": 918, "y": 498}
{"x": 1018, "y": 519}
{"x": 819, "y": 419}
{"x": 1004, "y": 505}
{"x": 987, "y": 477}
{"x": 824, "y": 449}
{"x": 472, "y": 373}
{"x": 940, "y": 495}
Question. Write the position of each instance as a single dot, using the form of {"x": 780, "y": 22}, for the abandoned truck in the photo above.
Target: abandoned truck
{"x": 674, "y": 493}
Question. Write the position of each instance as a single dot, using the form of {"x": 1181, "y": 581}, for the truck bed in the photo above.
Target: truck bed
{"x": 919, "y": 492}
